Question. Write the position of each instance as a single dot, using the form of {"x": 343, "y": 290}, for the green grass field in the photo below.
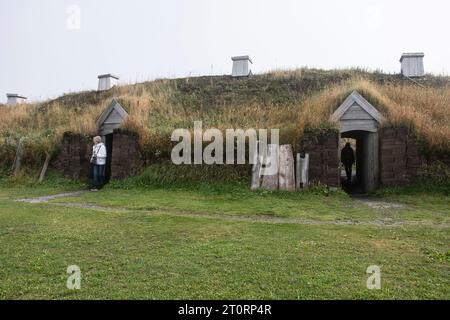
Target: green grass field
{"x": 208, "y": 243}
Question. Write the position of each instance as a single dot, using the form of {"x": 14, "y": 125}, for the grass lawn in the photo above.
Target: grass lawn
{"x": 223, "y": 244}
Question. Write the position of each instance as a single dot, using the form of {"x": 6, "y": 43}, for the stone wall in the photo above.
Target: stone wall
{"x": 401, "y": 157}
{"x": 323, "y": 149}
{"x": 126, "y": 155}
{"x": 74, "y": 156}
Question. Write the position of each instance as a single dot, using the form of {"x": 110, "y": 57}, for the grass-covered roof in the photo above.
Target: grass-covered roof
{"x": 289, "y": 100}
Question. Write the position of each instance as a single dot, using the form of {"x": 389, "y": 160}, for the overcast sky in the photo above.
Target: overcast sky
{"x": 51, "y": 47}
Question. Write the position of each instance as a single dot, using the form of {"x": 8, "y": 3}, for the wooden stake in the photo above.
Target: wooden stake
{"x": 18, "y": 159}
{"x": 44, "y": 167}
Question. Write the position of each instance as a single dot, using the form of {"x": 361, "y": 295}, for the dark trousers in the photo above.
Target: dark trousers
{"x": 98, "y": 175}
{"x": 348, "y": 171}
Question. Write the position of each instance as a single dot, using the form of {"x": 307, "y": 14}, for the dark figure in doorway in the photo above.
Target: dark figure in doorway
{"x": 98, "y": 161}
{"x": 348, "y": 159}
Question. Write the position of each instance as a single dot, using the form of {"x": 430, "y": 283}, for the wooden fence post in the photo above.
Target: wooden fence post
{"x": 18, "y": 159}
{"x": 302, "y": 171}
{"x": 44, "y": 167}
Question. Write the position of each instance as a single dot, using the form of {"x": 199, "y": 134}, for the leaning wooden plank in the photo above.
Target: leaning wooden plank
{"x": 286, "y": 171}
{"x": 18, "y": 160}
{"x": 270, "y": 171}
{"x": 44, "y": 167}
{"x": 256, "y": 169}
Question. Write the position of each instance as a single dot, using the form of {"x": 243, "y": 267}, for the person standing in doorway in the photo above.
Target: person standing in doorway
{"x": 98, "y": 161}
{"x": 348, "y": 159}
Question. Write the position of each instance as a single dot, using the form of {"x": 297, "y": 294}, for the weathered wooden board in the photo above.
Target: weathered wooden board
{"x": 352, "y": 99}
{"x": 363, "y": 125}
{"x": 302, "y": 171}
{"x": 18, "y": 160}
{"x": 256, "y": 170}
{"x": 114, "y": 118}
{"x": 370, "y": 162}
{"x": 111, "y": 118}
{"x": 44, "y": 167}
{"x": 355, "y": 112}
{"x": 286, "y": 176}
{"x": 270, "y": 181}
{"x": 412, "y": 64}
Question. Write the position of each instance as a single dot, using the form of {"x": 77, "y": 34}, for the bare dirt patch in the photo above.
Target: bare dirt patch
{"x": 52, "y": 197}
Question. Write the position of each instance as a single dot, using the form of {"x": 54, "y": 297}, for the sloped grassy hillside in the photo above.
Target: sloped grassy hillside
{"x": 290, "y": 100}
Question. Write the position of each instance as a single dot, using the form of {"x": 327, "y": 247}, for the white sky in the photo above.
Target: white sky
{"x": 43, "y": 53}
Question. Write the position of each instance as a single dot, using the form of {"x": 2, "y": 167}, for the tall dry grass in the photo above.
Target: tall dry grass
{"x": 158, "y": 107}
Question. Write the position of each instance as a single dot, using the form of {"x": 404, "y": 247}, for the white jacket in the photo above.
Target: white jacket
{"x": 99, "y": 150}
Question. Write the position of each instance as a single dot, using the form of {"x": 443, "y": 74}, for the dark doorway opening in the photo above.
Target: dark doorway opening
{"x": 353, "y": 184}
{"x": 366, "y": 168}
{"x": 109, "y": 150}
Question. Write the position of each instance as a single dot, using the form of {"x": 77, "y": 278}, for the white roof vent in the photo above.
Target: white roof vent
{"x": 412, "y": 64}
{"x": 14, "y": 99}
{"x": 241, "y": 66}
{"x": 107, "y": 81}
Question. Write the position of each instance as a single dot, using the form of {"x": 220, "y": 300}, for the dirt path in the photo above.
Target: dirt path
{"x": 373, "y": 204}
{"x": 244, "y": 218}
{"x": 52, "y": 197}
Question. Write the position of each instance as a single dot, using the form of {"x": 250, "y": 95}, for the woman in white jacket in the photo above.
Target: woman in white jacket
{"x": 98, "y": 161}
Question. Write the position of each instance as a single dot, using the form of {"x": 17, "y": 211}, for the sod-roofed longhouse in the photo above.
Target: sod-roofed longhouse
{"x": 395, "y": 124}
